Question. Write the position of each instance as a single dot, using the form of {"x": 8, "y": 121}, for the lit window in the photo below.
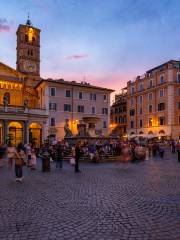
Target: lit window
{"x": 150, "y": 122}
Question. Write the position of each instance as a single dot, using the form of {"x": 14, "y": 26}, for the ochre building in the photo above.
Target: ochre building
{"x": 153, "y": 102}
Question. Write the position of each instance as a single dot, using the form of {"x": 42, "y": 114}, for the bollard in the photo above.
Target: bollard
{"x": 46, "y": 162}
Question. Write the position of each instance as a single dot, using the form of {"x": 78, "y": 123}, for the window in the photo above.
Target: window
{"x": 140, "y": 99}
{"x": 150, "y": 122}
{"x": 80, "y": 95}
{"x": 178, "y": 105}
{"x": 120, "y": 119}
{"x": 150, "y": 96}
{"x": 132, "y": 112}
{"x": 93, "y": 96}
{"x": 52, "y": 122}
{"x": 150, "y": 83}
{"x": 80, "y": 108}
{"x": 141, "y": 87}
{"x": 53, "y": 106}
{"x": 132, "y": 124}
{"x": 124, "y": 109}
{"x": 105, "y": 97}
{"x": 150, "y": 108}
{"x": 104, "y": 124}
{"x": 161, "y": 106}
{"x": 26, "y": 38}
{"x": 132, "y": 101}
{"x": 105, "y": 111}
{"x": 52, "y": 91}
{"x": 140, "y": 110}
{"x": 161, "y": 79}
{"x": 132, "y": 90}
{"x": 116, "y": 119}
{"x": 179, "y": 91}
{"x": 140, "y": 123}
{"x": 93, "y": 110}
{"x": 178, "y": 77}
{"x": 120, "y": 110}
{"x": 68, "y": 93}
{"x": 67, "y": 108}
{"x": 161, "y": 121}
{"x": 161, "y": 92}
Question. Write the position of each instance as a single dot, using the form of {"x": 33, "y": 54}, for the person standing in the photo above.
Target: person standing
{"x": 33, "y": 159}
{"x": 59, "y": 155}
{"x": 77, "y": 157}
{"x": 19, "y": 163}
{"x": 28, "y": 153}
{"x": 10, "y": 151}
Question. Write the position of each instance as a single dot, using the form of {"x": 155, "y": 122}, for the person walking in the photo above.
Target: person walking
{"x": 19, "y": 163}
{"x": 59, "y": 155}
{"x": 77, "y": 157}
{"x": 28, "y": 153}
{"x": 33, "y": 159}
{"x": 10, "y": 151}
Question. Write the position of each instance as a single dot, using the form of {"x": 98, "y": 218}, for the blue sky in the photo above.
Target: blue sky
{"x": 107, "y": 41}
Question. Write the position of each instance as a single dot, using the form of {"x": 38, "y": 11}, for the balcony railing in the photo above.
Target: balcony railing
{"x": 22, "y": 109}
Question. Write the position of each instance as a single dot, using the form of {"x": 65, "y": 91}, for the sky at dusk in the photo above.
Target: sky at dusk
{"x": 105, "y": 42}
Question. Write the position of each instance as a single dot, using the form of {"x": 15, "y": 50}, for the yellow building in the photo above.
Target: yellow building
{"x": 21, "y": 119}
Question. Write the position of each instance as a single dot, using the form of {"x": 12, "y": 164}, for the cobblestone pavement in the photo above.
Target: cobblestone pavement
{"x": 105, "y": 201}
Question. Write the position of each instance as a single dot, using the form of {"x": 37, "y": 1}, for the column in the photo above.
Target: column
{"x": 25, "y": 132}
{"x": 5, "y": 130}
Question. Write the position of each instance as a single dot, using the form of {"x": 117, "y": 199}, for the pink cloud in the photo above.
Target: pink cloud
{"x": 77, "y": 57}
{"x": 4, "y": 26}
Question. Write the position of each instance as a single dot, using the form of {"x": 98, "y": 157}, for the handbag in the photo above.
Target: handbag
{"x": 72, "y": 161}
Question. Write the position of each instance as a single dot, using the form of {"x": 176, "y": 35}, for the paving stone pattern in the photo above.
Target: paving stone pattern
{"x": 104, "y": 202}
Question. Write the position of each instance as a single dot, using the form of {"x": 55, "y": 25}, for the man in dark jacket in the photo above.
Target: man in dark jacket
{"x": 59, "y": 155}
{"x": 77, "y": 157}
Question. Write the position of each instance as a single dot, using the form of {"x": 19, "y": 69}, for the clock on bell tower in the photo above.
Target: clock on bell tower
{"x": 28, "y": 51}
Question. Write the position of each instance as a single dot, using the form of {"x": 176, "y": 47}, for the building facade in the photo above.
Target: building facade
{"x": 119, "y": 114}
{"x": 153, "y": 102}
{"x": 72, "y": 101}
{"x": 31, "y": 109}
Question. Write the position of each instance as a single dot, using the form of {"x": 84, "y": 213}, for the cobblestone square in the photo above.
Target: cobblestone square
{"x": 109, "y": 201}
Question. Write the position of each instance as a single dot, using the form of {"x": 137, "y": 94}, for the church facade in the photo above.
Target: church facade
{"x": 29, "y": 110}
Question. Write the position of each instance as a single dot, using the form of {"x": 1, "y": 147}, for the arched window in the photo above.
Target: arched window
{"x": 162, "y": 132}
{"x": 6, "y": 98}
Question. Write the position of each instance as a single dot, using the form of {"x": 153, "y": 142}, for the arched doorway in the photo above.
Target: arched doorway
{"x": 15, "y": 133}
{"x": 35, "y": 134}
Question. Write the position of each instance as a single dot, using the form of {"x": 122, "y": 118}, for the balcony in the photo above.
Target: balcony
{"x": 22, "y": 110}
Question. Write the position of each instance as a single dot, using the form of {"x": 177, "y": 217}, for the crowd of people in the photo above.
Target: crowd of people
{"x": 125, "y": 151}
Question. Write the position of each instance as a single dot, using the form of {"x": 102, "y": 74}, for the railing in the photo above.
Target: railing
{"x": 22, "y": 109}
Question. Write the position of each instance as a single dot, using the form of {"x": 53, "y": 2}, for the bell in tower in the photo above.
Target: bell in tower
{"x": 28, "y": 51}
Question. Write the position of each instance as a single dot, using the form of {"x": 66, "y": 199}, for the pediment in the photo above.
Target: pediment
{"x": 5, "y": 70}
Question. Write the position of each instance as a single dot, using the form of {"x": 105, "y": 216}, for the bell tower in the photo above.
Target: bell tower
{"x": 28, "y": 52}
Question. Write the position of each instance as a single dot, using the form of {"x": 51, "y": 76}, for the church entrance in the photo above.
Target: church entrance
{"x": 35, "y": 134}
{"x": 15, "y": 133}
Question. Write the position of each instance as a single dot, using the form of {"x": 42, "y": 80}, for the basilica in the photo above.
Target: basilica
{"x": 31, "y": 108}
